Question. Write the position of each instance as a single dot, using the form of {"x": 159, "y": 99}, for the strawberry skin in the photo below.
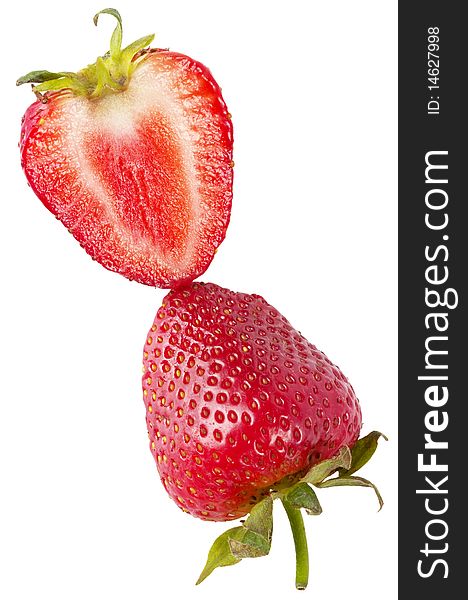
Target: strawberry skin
{"x": 141, "y": 177}
{"x": 236, "y": 399}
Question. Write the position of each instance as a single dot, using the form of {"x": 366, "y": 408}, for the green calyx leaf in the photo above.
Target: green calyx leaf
{"x": 220, "y": 554}
{"x": 352, "y": 481}
{"x": 363, "y": 451}
{"x": 41, "y": 76}
{"x": 110, "y": 73}
{"x": 250, "y": 545}
{"x": 116, "y": 39}
{"x": 250, "y": 540}
{"x": 302, "y": 495}
{"x": 323, "y": 469}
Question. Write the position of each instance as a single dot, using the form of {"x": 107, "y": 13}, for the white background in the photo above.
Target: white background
{"x": 312, "y": 89}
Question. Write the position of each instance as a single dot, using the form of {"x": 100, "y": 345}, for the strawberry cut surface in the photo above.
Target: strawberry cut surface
{"x": 142, "y": 178}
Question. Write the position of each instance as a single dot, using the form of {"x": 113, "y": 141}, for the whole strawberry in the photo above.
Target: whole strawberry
{"x": 241, "y": 409}
{"x": 134, "y": 155}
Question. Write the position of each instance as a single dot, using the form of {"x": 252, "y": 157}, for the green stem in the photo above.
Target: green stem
{"x": 300, "y": 544}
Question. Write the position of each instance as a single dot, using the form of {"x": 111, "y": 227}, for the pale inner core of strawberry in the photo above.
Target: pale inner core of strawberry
{"x": 141, "y": 185}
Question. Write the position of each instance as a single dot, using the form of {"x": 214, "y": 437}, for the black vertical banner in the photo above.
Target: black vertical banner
{"x": 433, "y": 270}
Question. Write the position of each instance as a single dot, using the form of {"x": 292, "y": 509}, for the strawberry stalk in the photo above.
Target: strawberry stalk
{"x": 110, "y": 73}
{"x": 300, "y": 544}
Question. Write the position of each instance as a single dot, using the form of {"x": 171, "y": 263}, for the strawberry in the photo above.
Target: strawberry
{"x": 134, "y": 155}
{"x": 241, "y": 409}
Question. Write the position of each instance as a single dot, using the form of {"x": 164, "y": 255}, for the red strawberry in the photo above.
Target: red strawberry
{"x": 134, "y": 155}
{"x": 239, "y": 404}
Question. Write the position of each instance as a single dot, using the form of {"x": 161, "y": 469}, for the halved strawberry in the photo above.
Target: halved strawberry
{"x": 134, "y": 155}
